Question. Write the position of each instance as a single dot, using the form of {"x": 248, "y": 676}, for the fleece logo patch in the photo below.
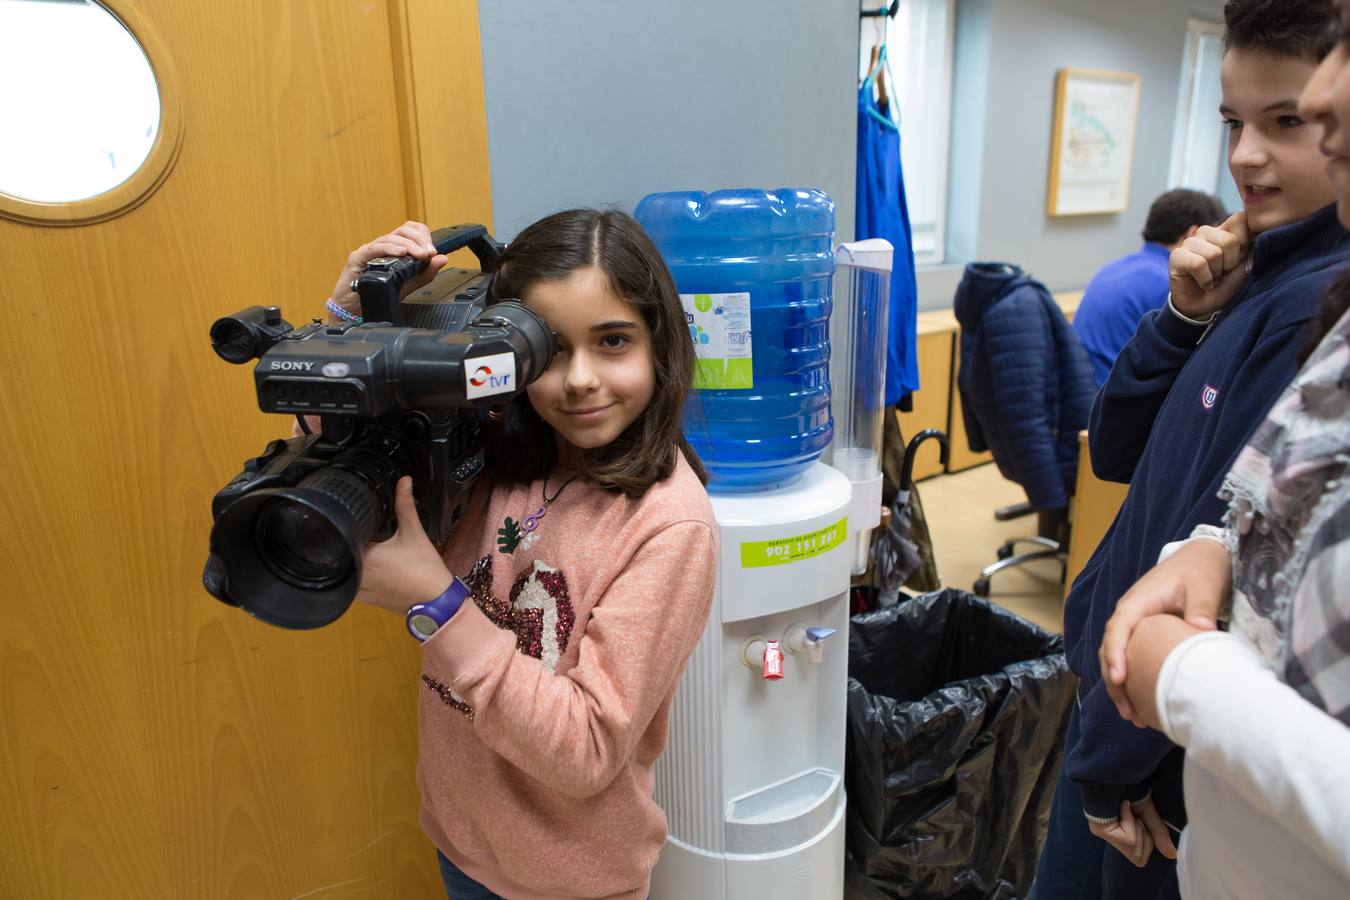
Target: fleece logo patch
{"x": 1209, "y": 396}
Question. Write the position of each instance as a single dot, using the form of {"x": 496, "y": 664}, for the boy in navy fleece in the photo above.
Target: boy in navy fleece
{"x": 1180, "y": 402}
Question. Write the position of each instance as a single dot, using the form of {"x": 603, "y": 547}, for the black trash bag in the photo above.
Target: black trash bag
{"x": 956, "y": 718}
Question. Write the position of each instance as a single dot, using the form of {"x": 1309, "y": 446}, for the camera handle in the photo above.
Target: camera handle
{"x": 381, "y": 285}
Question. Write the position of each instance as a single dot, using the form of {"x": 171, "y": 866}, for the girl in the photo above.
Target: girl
{"x": 588, "y": 554}
{"x": 1263, "y": 709}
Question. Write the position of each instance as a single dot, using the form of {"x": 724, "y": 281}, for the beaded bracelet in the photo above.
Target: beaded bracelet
{"x": 342, "y": 313}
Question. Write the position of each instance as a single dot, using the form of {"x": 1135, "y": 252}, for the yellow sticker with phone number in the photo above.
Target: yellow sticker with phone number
{"x": 756, "y": 554}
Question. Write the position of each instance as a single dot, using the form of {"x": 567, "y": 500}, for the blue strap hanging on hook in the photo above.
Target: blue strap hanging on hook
{"x": 882, "y": 211}
{"x": 868, "y": 82}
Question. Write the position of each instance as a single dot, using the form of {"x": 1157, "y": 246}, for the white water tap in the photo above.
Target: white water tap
{"x": 799, "y": 638}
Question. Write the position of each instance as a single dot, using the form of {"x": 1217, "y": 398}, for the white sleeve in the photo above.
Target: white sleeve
{"x": 1220, "y": 700}
{"x": 1221, "y": 536}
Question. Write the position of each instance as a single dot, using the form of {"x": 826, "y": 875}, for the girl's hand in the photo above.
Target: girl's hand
{"x": 406, "y": 569}
{"x": 1193, "y": 583}
{"x": 1153, "y": 640}
{"x": 409, "y": 239}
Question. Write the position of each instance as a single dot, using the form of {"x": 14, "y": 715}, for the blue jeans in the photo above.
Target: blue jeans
{"x": 1075, "y": 864}
{"x": 1071, "y": 860}
{"x": 459, "y": 886}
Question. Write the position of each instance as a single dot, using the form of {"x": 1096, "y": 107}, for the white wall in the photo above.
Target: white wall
{"x": 1008, "y": 55}
{"x": 600, "y": 102}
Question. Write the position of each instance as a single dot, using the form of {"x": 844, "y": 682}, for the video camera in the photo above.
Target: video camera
{"x": 403, "y": 393}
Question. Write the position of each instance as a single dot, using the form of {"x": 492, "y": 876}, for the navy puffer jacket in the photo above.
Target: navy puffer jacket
{"x": 1026, "y": 382}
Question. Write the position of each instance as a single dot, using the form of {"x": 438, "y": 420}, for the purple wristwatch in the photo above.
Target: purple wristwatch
{"x": 424, "y": 618}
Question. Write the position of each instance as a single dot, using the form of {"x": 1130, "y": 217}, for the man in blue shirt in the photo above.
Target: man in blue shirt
{"x": 1125, "y": 289}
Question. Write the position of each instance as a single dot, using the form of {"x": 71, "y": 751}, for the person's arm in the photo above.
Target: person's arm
{"x": 1020, "y": 348}
{"x": 1214, "y": 695}
{"x": 576, "y": 731}
{"x": 1112, "y": 759}
{"x": 409, "y": 239}
{"x": 1126, "y": 405}
{"x": 1193, "y": 581}
{"x": 1204, "y": 274}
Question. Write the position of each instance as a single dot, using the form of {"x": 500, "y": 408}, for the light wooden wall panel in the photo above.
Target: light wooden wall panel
{"x": 1092, "y": 509}
{"x": 934, "y": 345}
{"x": 154, "y": 743}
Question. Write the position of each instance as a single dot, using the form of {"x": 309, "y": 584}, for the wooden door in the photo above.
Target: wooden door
{"x": 156, "y": 743}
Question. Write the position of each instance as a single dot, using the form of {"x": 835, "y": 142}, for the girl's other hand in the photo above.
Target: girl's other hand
{"x": 406, "y": 569}
{"x": 1152, "y": 642}
{"x": 1192, "y": 584}
{"x": 409, "y": 239}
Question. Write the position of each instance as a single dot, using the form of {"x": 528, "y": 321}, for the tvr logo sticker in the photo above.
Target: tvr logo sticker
{"x": 483, "y": 375}
{"x": 488, "y": 375}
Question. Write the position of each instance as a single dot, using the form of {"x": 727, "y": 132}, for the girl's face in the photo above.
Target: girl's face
{"x": 604, "y": 375}
{"x": 1326, "y": 101}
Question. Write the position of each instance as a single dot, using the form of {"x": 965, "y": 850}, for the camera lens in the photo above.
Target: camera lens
{"x": 302, "y": 546}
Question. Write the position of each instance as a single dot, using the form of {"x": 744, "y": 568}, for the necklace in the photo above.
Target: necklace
{"x": 515, "y": 534}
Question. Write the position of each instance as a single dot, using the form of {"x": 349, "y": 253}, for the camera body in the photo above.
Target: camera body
{"x": 405, "y": 392}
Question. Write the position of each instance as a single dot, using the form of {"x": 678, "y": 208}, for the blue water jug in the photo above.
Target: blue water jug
{"x": 754, "y": 270}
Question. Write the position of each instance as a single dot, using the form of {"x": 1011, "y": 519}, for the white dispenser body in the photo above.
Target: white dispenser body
{"x": 752, "y": 778}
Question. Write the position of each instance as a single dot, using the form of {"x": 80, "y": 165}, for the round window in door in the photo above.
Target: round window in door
{"x": 86, "y": 95}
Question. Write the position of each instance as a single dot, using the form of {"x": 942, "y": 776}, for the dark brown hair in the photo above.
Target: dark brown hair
{"x": 1280, "y": 27}
{"x": 1174, "y": 212}
{"x": 1334, "y": 304}
{"x": 522, "y": 447}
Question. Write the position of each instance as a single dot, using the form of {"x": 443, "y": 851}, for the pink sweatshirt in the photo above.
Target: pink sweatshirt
{"x": 545, "y": 701}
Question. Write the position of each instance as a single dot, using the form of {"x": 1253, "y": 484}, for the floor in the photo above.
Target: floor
{"x": 966, "y": 537}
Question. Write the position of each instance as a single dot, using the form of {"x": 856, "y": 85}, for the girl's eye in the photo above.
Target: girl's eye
{"x": 1232, "y": 124}
{"x": 1289, "y": 121}
{"x": 614, "y": 341}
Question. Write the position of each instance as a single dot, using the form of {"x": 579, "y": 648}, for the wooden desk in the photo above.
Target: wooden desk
{"x": 1091, "y": 512}
{"x": 961, "y": 455}
{"x": 1068, "y": 302}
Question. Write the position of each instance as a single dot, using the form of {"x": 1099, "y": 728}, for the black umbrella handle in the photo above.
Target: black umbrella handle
{"x": 907, "y": 468}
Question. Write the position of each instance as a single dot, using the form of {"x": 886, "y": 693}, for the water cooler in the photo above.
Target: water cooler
{"x": 752, "y": 777}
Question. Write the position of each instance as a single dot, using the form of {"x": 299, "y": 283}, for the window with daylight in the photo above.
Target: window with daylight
{"x": 1199, "y": 151}
{"x": 919, "y": 81}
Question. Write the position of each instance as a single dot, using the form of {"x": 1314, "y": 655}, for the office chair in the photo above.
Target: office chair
{"x": 1052, "y": 537}
{"x": 1026, "y": 389}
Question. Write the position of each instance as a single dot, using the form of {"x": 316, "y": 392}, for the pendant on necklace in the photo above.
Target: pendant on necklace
{"x": 513, "y": 534}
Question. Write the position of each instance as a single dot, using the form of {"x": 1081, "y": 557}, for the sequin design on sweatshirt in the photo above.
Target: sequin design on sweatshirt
{"x": 538, "y": 610}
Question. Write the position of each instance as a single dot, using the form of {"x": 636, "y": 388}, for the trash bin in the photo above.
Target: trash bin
{"x": 956, "y": 718}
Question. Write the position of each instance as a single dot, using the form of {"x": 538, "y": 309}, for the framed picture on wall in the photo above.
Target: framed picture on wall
{"x": 1092, "y": 149}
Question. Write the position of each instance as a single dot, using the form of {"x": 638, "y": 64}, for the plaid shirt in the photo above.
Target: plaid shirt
{"x": 1288, "y": 528}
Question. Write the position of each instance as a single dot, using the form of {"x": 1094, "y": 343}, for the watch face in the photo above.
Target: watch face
{"x": 423, "y": 625}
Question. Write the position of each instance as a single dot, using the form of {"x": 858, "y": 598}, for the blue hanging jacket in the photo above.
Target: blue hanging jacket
{"x": 1025, "y": 380}
{"x": 883, "y": 213}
